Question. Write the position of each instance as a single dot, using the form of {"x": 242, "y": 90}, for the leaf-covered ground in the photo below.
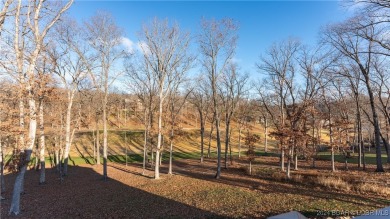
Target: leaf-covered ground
{"x": 192, "y": 192}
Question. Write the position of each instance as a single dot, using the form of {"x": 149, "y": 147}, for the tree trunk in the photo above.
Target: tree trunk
{"x": 230, "y": 148}
{"x": 386, "y": 144}
{"x": 144, "y": 159}
{"x": 201, "y": 137}
{"x": 36, "y": 157}
{"x": 152, "y": 156}
{"x": 94, "y": 146}
{"x": 161, "y": 156}
{"x": 21, "y": 124}
{"x": 359, "y": 135}
{"x": 159, "y": 137}
{"x": 97, "y": 142}
{"x": 2, "y": 182}
{"x": 170, "y": 153}
{"x": 239, "y": 142}
{"x": 250, "y": 167}
{"x": 18, "y": 187}
{"x": 295, "y": 158}
{"x": 218, "y": 174}
{"x": 379, "y": 166}
{"x": 331, "y": 144}
{"x": 42, "y": 178}
{"x": 146, "y": 121}
{"x": 105, "y": 138}
{"x": 265, "y": 135}
{"x": 210, "y": 138}
{"x": 314, "y": 144}
{"x": 57, "y": 153}
{"x": 227, "y": 124}
{"x": 363, "y": 154}
{"x": 19, "y": 181}
{"x": 67, "y": 131}
{"x": 282, "y": 159}
{"x": 289, "y": 163}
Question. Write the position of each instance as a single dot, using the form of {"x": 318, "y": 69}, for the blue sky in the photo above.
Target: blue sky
{"x": 261, "y": 22}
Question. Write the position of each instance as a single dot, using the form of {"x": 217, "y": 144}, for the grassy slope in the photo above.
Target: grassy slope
{"x": 130, "y": 136}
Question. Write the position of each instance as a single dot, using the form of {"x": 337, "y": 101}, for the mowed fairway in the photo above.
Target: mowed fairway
{"x": 192, "y": 192}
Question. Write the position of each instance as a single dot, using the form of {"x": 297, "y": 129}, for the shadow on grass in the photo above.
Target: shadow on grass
{"x": 122, "y": 158}
{"x": 84, "y": 195}
{"x": 271, "y": 185}
{"x": 354, "y": 160}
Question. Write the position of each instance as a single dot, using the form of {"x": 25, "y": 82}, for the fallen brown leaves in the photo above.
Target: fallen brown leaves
{"x": 191, "y": 193}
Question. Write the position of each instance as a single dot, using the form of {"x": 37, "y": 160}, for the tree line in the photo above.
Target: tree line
{"x": 62, "y": 75}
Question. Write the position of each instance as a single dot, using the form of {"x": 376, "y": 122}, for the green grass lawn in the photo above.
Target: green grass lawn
{"x": 77, "y": 160}
{"x": 369, "y": 157}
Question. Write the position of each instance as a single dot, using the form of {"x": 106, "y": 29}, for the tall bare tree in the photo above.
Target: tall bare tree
{"x": 279, "y": 91}
{"x": 217, "y": 41}
{"x": 232, "y": 89}
{"x": 200, "y": 98}
{"x": 346, "y": 40}
{"x": 166, "y": 55}
{"x": 382, "y": 85}
{"x": 105, "y": 38}
{"x": 176, "y": 102}
{"x": 141, "y": 83}
{"x": 72, "y": 66}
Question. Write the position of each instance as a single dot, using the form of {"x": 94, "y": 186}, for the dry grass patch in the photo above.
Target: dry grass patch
{"x": 372, "y": 188}
{"x": 334, "y": 183}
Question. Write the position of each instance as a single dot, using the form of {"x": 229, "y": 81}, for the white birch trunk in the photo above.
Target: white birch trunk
{"x": 19, "y": 181}
{"x": 67, "y": 131}
{"x": 159, "y": 136}
{"x": 170, "y": 154}
{"x": 105, "y": 134}
{"x": 42, "y": 178}
{"x": 282, "y": 160}
{"x": 289, "y": 163}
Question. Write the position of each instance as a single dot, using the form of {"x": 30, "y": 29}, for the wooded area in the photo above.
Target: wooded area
{"x": 61, "y": 78}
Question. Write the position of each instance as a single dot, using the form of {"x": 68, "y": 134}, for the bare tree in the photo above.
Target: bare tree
{"x": 176, "y": 101}
{"x": 279, "y": 90}
{"x": 200, "y": 98}
{"x": 167, "y": 58}
{"x": 246, "y": 112}
{"x": 71, "y": 66}
{"x": 353, "y": 75}
{"x": 362, "y": 52}
{"x": 105, "y": 38}
{"x": 232, "y": 89}
{"x": 143, "y": 85}
{"x": 314, "y": 65}
{"x": 217, "y": 42}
